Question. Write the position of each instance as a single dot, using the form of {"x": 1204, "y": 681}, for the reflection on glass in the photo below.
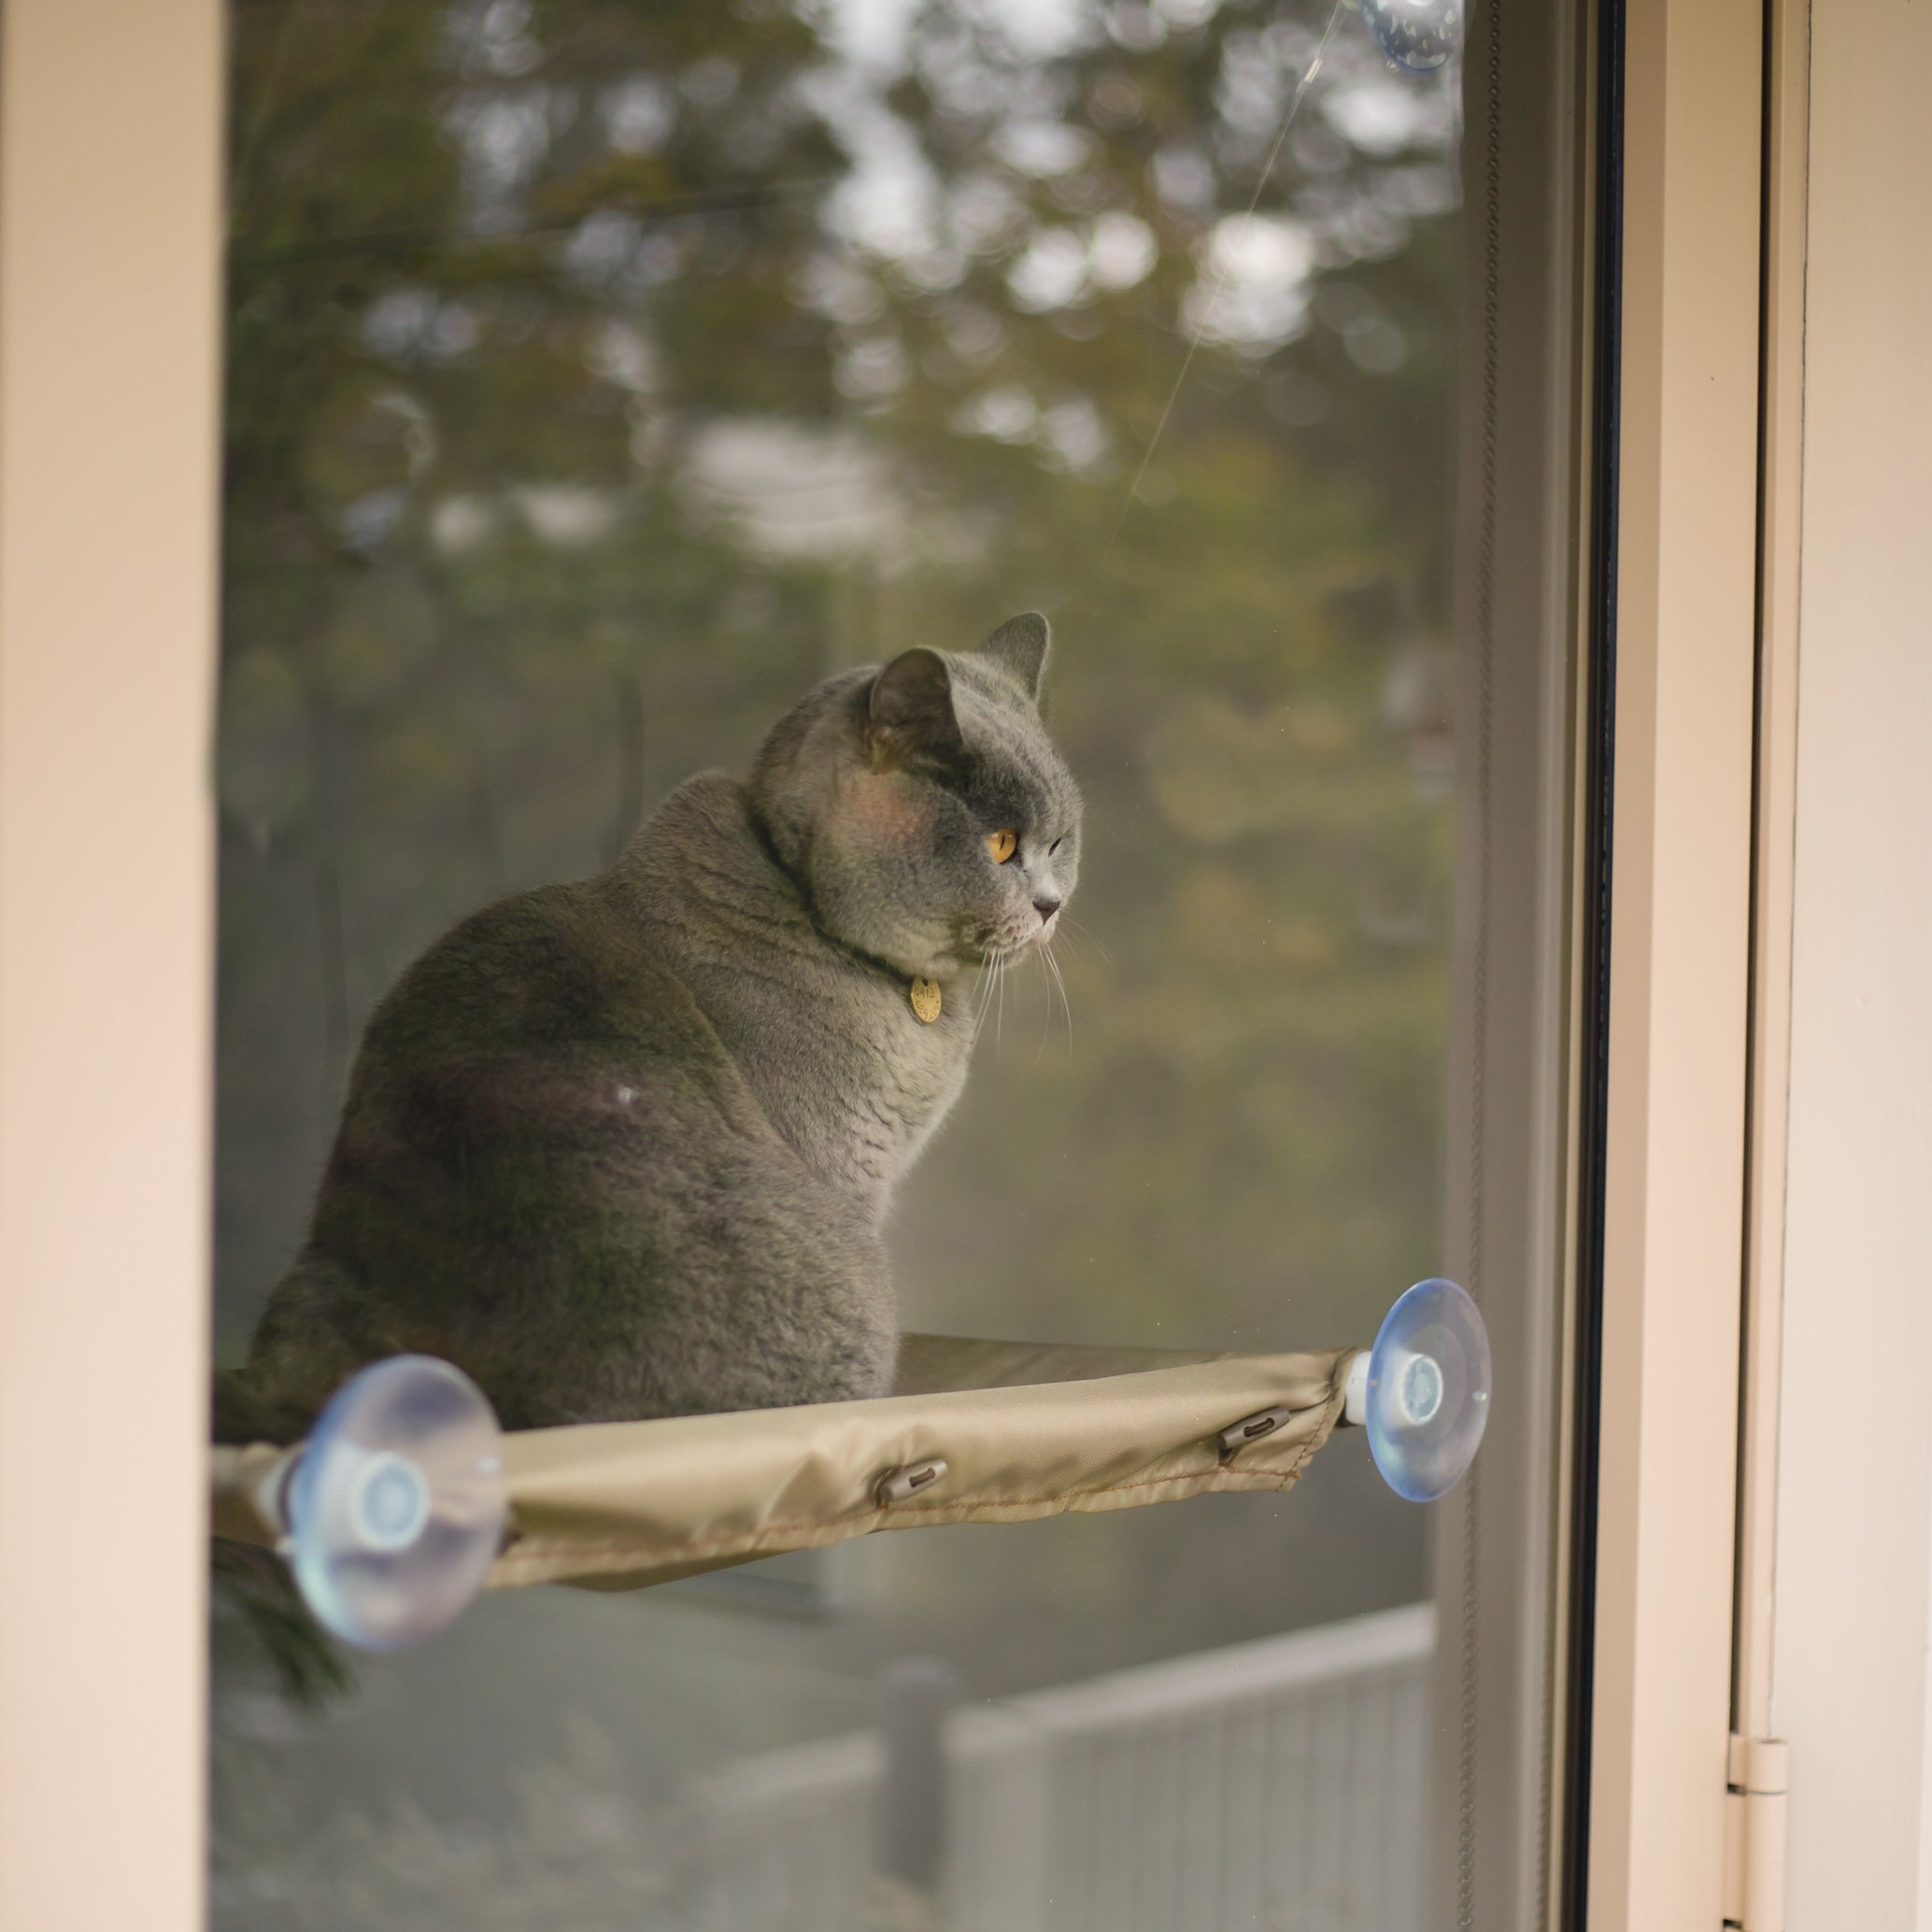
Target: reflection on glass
{"x": 1419, "y": 34}
{"x": 599, "y": 379}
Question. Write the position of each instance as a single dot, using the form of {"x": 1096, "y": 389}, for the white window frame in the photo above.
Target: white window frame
{"x": 1730, "y": 801}
{"x": 110, "y": 219}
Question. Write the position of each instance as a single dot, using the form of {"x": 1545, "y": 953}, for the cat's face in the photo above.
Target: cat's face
{"x": 930, "y": 818}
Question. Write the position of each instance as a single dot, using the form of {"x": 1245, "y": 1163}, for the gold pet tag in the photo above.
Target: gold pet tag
{"x": 925, "y": 998}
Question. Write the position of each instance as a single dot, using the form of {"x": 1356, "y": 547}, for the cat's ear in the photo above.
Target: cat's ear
{"x": 909, "y": 712}
{"x": 1019, "y": 648}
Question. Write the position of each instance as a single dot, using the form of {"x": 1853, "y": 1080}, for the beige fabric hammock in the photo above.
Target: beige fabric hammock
{"x": 975, "y": 1432}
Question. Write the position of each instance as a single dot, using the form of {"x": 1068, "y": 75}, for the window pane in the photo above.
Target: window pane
{"x": 599, "y": 380}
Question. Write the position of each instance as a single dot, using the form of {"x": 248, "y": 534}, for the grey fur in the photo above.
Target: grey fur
{"x": 625, "y": 1148}
{"x": 1019, "y": 648}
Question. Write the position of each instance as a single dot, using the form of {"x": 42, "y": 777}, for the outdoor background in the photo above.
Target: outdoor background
{"x": 599, "y": 377}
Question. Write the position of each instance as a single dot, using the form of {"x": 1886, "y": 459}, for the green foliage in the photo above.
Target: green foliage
{"x": 601, "y": 376}
{"x": 597, "y": 379}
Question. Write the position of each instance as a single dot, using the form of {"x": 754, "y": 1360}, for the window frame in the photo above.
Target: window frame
{"x": 1678, "y": 555}
{"x": 111, "y": 122}
{"x": 111, "y": 146}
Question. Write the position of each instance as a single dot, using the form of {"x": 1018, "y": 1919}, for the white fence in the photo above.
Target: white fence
{"x": 1275, "y": 1787}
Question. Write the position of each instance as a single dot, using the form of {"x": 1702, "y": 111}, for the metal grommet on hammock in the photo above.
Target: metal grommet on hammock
{"x": 896, "y": 1486}
{"x": 1251, "y": 1428}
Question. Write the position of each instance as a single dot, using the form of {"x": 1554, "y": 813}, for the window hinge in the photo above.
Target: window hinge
{"x": 1758, "y": 1777}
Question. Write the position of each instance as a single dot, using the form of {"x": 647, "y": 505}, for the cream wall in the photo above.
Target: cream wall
{"x": 1849, "y": 1687}
{"x": 110, "y": 116}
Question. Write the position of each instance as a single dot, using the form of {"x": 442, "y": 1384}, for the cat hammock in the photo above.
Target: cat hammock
{"x": 406, "y": 1498}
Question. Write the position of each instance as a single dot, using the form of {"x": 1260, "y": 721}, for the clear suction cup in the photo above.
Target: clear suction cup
{"x": 1422, "y": 1390}
{"x": 395, "y": 1505}
{"x": 1418, "y": 35}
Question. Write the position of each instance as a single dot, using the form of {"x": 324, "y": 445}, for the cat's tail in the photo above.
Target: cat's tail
{"x": 253, "y": 1594}
{"x": 244, "y": 1412}
{"x": 256, "y": 1598}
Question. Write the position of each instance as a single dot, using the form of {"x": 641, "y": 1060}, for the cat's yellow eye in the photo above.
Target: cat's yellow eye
{"x": 1002, "y": 845}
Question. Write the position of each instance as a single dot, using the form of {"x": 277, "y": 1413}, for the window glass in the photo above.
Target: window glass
{"x": 600, "y": 378}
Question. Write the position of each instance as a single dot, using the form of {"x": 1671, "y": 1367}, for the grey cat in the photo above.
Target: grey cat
{"x": 624, "y": 1147}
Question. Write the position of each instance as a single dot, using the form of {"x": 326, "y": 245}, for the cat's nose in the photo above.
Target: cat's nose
{"x": 1046, "y": 908}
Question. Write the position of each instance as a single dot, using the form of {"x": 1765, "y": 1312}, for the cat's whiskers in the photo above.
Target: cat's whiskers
{"x": 981, "y": 993}
{"x": 1053, "y": 966}
{"x": 1073, "y": 928}
{"x": 1046, "y": 1001}
{"x": 983, "y": 999}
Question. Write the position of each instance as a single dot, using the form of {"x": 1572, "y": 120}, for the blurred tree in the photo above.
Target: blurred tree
{"x": 597, "y": 379}
{"x": 600, "y": 376}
